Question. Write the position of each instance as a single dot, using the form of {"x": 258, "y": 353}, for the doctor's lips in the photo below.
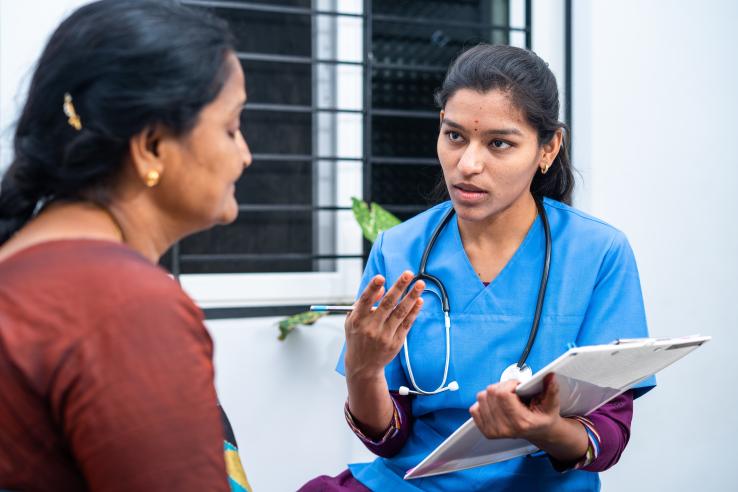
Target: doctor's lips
{"x": 467, "y": 192}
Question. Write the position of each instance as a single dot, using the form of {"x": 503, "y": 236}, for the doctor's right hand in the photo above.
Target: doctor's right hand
{"x": 375, "y": 336}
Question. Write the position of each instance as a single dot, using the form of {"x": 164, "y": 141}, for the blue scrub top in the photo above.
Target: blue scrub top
{"x": 593, "y": 297}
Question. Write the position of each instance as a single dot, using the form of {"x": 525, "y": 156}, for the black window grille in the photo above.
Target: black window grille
{"x": 407, "y": 46}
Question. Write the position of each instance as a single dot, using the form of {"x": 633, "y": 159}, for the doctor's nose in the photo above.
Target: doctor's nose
{"x": 472, "y": 161}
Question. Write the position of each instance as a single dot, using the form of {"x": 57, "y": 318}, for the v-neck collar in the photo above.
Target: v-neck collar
{"x": 469, "y": 269}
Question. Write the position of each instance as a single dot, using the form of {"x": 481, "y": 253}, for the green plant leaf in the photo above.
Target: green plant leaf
{"x": 372, "y": 220}
{"x": 288, "y": 325}
{"x": 383, "y": 220}
{"x": 364, "y": 218}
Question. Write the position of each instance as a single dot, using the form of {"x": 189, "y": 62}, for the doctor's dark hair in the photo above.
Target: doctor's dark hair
{"x": 129, "y": 65}
{"x": 532, "y": 88}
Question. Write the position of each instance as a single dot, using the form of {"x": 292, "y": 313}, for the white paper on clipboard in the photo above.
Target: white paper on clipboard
{"x": 588, "y": 378}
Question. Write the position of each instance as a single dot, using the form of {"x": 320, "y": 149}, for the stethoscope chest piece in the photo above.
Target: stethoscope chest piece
{"x": 513, "y": 372}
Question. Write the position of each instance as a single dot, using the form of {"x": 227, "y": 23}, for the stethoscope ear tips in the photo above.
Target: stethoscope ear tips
{"x": 453, "y": 386}
{"x": 404, "y": 390}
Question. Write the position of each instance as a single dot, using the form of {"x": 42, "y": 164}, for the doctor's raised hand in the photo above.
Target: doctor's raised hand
{"x": 373, "y": 338}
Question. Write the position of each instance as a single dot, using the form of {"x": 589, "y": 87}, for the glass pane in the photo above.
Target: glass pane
{"x": 404, "y": 137}
{"x": 267, "y": 32}
{"x": 419, "y": 44}
{"x": 271, "y": 132}
{"x": 394, "y": 184}
{"x": 253, "y": 233}
{"x": 275, "y": 182}
{"x": 405, "y": 89}
{"x": 456, "y": 10}
{"x": 278, "y": 83}
{"x": 282, "y": 3}
{"x": 260, "y": 233}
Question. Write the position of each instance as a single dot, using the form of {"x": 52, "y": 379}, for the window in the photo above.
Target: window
{"x": 340, "y": 105}
{"x": 303, "y": 64}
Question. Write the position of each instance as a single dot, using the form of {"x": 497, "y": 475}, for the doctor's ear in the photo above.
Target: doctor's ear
{"x": 440, "y": 118}
{"x": 550, "y": 150}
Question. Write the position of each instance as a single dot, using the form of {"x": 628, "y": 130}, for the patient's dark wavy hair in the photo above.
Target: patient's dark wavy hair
{"x": 128, "y": 65}
{"x": 532, "y": 88}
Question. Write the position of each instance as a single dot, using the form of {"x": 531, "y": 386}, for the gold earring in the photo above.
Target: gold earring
{"x": 544, "y": 168}
{"x": 71, "y": 112}
{"x": 152, "y": 178}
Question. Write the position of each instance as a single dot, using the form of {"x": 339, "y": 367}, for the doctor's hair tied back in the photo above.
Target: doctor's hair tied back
{"x": 71, "y": 112}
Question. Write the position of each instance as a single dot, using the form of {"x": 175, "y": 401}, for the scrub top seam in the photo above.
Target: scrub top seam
{"x": 565, "y": 208}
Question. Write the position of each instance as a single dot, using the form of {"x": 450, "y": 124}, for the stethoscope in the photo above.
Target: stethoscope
{"x": 519, "y": 370}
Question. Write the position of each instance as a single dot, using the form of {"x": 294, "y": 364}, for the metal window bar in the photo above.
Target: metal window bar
{"x": 411, "y": 67}
{"x": 265, "y": 7}
{"x": 306, "y": 60}
{"x": 293, "y": 108}
{"x": 303, "y": 158}
{"x": 422, "y": 21}
{"x": 256, "y": 208}
{"x": 367, "y": 105}
{"x": 206, "y": 257}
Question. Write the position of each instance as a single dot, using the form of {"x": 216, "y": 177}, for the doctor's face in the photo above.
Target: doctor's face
{"x": 488, "y": 151}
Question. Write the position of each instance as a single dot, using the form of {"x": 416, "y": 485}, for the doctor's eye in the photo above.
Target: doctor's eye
{"x": 499, "y": 144}
{"x": 454, "y": 137}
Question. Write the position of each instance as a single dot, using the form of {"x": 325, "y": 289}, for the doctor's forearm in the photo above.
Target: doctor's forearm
{"x": 370, "y": 402}
{"x": 565, "y": 441}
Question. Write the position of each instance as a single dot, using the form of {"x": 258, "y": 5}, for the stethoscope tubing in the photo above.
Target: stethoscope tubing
{"x": 541, "y": 288}
{"x": 443, "y": 296}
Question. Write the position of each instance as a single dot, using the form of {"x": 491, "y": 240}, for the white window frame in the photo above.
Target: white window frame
{"x": 339, "y": 285}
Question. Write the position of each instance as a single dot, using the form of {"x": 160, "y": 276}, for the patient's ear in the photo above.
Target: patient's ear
{"x": 145, "y": 151}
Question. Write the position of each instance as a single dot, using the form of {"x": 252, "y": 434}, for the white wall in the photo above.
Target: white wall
{"x": 285, "y": 400}
{"x": 654, "y": 132}
{"x": 654, "y": 102}
{"x": 25, "y": 26}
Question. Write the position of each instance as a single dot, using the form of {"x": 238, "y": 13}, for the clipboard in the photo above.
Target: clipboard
{"x": 588, "y": 378}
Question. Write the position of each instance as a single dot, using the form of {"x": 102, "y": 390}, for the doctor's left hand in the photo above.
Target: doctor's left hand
{"x": 500, "y": 413}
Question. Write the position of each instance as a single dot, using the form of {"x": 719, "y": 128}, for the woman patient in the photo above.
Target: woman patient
{"x": 129, "y": 141}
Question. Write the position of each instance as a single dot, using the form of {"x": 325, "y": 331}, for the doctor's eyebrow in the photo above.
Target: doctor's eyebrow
{"x": 496, "y": 131}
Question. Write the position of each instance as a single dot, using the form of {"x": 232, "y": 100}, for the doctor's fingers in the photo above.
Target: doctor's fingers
{"x": 502, "y": 418}
{"x": 407, "y": 323}
{"x": 490, "y": 417}
{"x": 502, "y": 397}
{"x": 371, "y": 294}
{"x": 480, "y": 419}
{"x": 389, "y": 302}
{"x": 548, "y": 400}
{"x": 406, "y": 305}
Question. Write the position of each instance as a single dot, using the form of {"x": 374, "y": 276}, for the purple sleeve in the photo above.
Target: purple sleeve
{"x": 612, "y": 423}
{"x": 395, "y": 436}
{"x": 608, "y": 431}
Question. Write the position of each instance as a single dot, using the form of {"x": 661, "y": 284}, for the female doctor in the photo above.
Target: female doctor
{"x": 500, "y": 280}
